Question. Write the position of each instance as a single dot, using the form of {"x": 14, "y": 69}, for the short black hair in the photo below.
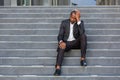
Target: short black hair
{"x": 72, "y": 12}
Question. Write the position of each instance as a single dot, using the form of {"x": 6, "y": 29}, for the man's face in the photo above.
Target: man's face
{"x": 73, "y": 18}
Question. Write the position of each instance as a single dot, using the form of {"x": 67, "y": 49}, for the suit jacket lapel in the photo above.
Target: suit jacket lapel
{"x": 74, "y": 29}
{"x": 68, "y": 28}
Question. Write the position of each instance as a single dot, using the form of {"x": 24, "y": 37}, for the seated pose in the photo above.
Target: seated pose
{"x": 71, "y": 36}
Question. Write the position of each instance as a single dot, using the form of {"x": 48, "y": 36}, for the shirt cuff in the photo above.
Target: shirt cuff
{"x": 60, "y": 41}
{"x": 78, "y": 22}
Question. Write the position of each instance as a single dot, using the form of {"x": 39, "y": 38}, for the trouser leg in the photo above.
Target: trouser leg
{"x": 80, "y": 43}
{"x": 83, "y": 45}
{"x": 60, "y": 57}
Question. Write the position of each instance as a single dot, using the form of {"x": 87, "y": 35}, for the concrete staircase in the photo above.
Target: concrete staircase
{"x": 28, "y": 41}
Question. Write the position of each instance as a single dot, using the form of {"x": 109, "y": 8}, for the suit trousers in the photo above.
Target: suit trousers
{"x": 80, "y": 43}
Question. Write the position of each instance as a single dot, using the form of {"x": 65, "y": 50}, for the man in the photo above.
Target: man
{"x": 71, "y": 36}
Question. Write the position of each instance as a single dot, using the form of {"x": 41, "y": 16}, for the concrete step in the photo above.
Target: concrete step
{"x": 102, "y": 32}
{"x": 66, "y": 70}
{"x": 33, "y": 20}
{"x": 29, "y": 38}
{"x": 54, "y": 38}
{"x": 87, "y": 10}
{"x": 60, "y": 10}
{"x": 53, "y": 45}
{"x": 56, "y": 25}
{"x": 78, "y": 77}
{"x": 40, "y": 7}
{"x": 59, "y": 15}
{"x": 52, "y": 53}
{"x": 52, "y": 10}
{"x": 28, "y": 42}
{"x": 68, "y": 61}
{"x": 29, "y": 32}
{"x": 56, "y": 31}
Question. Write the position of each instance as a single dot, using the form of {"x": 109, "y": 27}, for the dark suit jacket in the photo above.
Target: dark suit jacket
{"x": 65, "y": 29}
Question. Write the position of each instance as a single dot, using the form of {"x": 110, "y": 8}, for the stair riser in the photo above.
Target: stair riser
{"x": 58, "y": 15}
{"x": 65, "y": 71}
{"x": 66, "y": 62}
{"x": 54, "y": 45}
{"x": 53, "y": 53}
{"x": 55, "y": 32}
{"x": 56, "y": 26}
{"x": 54, "y": 38}
{"x": 60, "y": 78}
{"x": 52, "y": 10}
{"x": 57, "y": 20}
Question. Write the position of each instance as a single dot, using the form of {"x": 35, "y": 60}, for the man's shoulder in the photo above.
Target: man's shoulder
{"x": 65, "y": 21}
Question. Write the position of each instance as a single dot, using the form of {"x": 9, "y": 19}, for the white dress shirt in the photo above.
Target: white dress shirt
{"x": 71, "y": 37}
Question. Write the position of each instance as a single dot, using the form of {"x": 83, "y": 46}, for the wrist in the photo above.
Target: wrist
{"x": 60, "y": 41}
{"x": 78, "y": 22}
{"x": 78, "y": 19}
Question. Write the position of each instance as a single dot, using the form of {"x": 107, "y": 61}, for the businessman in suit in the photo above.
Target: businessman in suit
{"x": 71, "y": 36}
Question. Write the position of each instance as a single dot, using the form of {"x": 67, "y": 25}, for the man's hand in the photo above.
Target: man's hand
{"x": 77, "y": 15}
{"x": 62, "y": 45}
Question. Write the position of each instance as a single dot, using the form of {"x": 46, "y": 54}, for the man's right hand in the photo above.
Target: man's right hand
{"x": 77, "y": 15}
{"x": 62, "y": 45}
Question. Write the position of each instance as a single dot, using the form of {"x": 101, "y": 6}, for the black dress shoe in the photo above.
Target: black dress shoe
{"x": 57, "y": 72}
{"x": 83, "y": 63}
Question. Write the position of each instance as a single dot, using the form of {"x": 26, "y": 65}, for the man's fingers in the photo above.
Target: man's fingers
{"x": 62, "y": 46}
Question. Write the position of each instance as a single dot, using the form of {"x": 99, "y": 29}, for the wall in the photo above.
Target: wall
{"x": 108, "y": 2}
